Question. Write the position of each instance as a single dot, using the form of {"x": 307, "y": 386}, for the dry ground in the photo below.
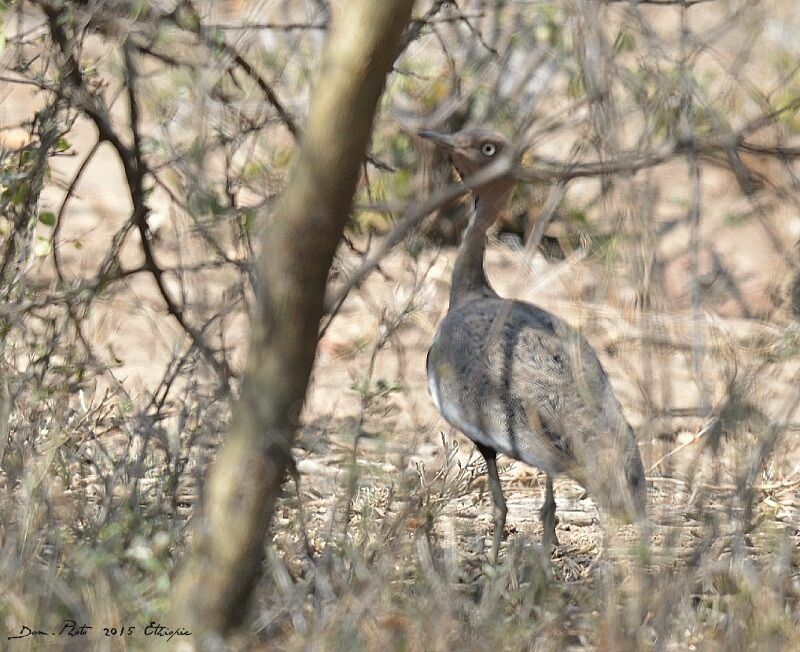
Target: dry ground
{"x": 386, "y": 546}
{"x": 382, "y": 473}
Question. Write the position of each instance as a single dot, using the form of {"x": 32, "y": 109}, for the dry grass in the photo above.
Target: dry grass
{"x": 679, "y": 275}
{"x": 398, "y": 555}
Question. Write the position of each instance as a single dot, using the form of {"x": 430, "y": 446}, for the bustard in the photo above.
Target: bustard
{"x": 518, "y": 380}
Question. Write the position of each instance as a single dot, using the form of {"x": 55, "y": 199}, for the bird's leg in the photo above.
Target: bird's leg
{"x": 548, "y": 515}
{"x": 498, "y": 501}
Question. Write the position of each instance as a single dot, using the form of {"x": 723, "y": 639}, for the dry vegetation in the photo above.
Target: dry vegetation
{"x": 142, "y": 146}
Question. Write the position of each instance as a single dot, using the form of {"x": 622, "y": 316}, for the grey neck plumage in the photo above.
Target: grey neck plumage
{"x": 469, "y": 277}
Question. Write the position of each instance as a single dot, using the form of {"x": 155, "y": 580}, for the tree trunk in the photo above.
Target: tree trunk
{"x": 223, "y": 565}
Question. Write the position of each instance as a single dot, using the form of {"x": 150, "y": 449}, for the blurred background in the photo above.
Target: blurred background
{"x": 142, "y": 148}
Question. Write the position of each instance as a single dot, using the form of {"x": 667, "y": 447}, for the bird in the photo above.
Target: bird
{"x": 516, "y": 379}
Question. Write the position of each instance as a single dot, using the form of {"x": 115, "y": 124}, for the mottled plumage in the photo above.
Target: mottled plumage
{"x": 519, "y": 381}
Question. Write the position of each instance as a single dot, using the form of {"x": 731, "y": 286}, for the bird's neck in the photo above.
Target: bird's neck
{"x": 469, "y": 277}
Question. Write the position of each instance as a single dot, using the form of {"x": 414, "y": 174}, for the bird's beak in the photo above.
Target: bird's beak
{"x": 444, "y": 141}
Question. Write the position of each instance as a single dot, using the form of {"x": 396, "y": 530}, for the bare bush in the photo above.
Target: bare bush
{"x": 143, "y": 147}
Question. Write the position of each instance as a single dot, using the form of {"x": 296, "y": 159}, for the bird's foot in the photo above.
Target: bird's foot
{"x": 549, "y": 522}
{"x": 551, "y": 540}
{"x": 494, "y": 554}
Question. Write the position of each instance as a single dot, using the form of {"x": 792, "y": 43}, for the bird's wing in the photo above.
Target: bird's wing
{"x": 532, "y": 384}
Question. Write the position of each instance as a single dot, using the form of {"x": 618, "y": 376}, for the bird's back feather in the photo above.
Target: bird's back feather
{"x": 515, "y": 378}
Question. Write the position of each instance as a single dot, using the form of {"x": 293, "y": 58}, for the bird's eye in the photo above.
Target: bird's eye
{"x": 488, "y": 149}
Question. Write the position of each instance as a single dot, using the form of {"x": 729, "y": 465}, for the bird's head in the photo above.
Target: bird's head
{"x": 473, "y": 150}
{"x": 617, "y": 479}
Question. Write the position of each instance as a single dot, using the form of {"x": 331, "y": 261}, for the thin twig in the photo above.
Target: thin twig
{"x": 413, "y": 216}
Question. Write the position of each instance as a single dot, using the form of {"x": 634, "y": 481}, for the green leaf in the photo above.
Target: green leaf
{"x": 625, "y": 42}
{"x": 42, "y": 247}
{"x": 20, "y": 194}
{"x": 47, "y": 218}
